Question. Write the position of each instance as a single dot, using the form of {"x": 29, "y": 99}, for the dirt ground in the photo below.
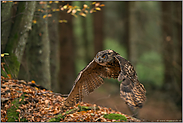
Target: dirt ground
{"x": 153, "y": 110}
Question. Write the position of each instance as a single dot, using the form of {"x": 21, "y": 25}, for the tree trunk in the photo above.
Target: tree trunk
{"x": 98, "y": 22}
{"x": 85, "y": 39}
{"x": 38, "y": 51}
{"x": 54, "y": 48}
{"x": 6, "y": 22}
{"x": 126, "y": 26}
{"x": 167, "y": 47}
{"x": 67, "y": 52}
{"x": 132, "y": 33}
{"x": 18, "y": 35}
{"x": 178, "y": 51}
{"x": 178, "y": 45}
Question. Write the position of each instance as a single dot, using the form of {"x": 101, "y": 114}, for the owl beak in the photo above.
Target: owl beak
{"x": 99, "y": 59}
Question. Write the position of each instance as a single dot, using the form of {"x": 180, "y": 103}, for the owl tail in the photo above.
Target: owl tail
{"x": 133, "y": 94}
{"x": 128, "y": 97}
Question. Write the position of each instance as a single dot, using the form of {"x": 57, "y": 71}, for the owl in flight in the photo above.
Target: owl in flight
{"x": 108, "y": 64}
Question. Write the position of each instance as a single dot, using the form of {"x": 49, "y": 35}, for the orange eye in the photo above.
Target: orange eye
{"x": 103, "y": 56}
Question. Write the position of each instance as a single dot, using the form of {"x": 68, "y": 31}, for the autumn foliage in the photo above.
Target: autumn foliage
{"x": 73, "y": 10}
{"x": 27, "y": 101}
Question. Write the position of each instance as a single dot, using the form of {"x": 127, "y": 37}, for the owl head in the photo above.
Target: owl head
{"x": 105, "y": 56}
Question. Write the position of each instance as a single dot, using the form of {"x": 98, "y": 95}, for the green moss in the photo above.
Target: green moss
{"x": 3, "y": 74}
{"x": 115, "y": 116}
{"x": 86, "y": 108}
{"x": 13, "y": 65}
{"x": 12, "y": 113}
{"x": 70, "y": 111}
{"x": 57, "y": 118}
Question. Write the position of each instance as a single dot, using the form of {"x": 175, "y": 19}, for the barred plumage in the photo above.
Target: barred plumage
{"x": 108, "y": 64}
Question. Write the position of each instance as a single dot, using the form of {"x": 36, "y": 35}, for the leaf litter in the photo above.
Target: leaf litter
{"x": 41, "y": 105}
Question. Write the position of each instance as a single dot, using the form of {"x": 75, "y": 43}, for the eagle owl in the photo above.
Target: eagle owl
{"x": 108, "y": 64}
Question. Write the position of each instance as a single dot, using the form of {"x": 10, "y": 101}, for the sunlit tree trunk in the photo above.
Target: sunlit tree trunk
{"x": 98, "y": 23}
{"x": 19, "y": 34}
{"x": 54, "y": 48}
{"x": 67, "y": 52}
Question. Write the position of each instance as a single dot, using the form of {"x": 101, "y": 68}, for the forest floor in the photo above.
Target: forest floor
{"x": 28, "y": 102}
{"x": 155, "y": 108}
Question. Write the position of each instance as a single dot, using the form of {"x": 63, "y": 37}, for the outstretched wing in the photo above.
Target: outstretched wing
{"x": 87, "y": 80}
{"x": 131, "y": 90}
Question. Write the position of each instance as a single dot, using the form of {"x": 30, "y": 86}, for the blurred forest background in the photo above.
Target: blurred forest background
{"x": 51, "y": 42}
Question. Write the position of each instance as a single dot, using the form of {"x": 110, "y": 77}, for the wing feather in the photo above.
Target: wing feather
{"x": 85, "y": 88}
{"x": 131, "y": 90}
{"x": 87, "y": 80}
{"x": 90, "y": 85}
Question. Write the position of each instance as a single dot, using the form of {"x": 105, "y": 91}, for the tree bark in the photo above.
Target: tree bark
{"x": 167, "y": 47}
{"x": 178, "y": 45}
{"x": 85, "y": 39}
{"x": 6, "y": 22}
{"x": 54, "y": 48}
{"x": 126, "y": 26}
{"x": 98, "y": 22}
{"x": 132, "y": 33}
{"x": 38, "y": 50}
{"x": 18, "y": 35}
{"x": 67, "y": 52}
{"x": 178, "y": 51}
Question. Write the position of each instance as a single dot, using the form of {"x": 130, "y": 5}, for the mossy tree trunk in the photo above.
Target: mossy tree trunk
{"x": 18, "y": 35}
{"x": 37, "y": 61}
{"x": 54, "y": 48}
{"x": 6, "y": 22}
